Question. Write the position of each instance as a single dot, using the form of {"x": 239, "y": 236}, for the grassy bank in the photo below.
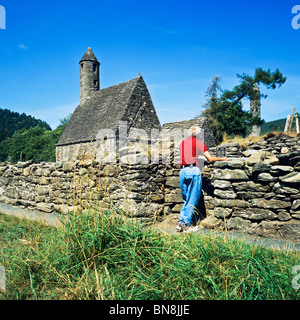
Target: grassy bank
{"x": 103, "y": 256}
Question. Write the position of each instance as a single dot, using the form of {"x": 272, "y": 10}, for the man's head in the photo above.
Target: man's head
{"x": 194, "y": 131}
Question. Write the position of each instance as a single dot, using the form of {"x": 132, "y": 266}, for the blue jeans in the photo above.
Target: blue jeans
{"x": 190, "y": 181}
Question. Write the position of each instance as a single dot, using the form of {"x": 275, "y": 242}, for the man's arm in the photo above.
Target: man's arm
{"x": 210, "y": 158}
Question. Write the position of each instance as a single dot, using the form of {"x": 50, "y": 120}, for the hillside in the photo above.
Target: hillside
{"x": 12, "y": 121}
{"x": 276, "y": 125}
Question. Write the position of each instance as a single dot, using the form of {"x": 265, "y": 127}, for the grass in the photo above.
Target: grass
{"x": 244, "y": 141}
{"x": 106, "y": 256}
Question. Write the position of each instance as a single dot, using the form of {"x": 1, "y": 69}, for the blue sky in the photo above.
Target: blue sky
{"x": 177, "y": 46}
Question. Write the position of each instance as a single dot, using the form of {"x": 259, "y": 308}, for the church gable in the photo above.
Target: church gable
{"x": 140, "y": 112}
{"x": 103, "y": 110}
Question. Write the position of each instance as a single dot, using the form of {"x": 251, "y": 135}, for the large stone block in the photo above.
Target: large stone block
{"x": 238, "y": 223}
{"x": 177, "y": 208}
{"x": 222, "y": 213}
{"x": 270, "y": 204}
{"x": 231, "y": 203}
{"x": 225, "y": 194}
{"x": 221, "y": 184}
{"x": 281, "y": 189}
{"x": 255, "y": 214}
{"x": 250, "y": 186}
{"x": 45, "y": 207}
{"x": 281, "y": 170}
{"x": 172, "y": 181}
{"x": 232, "y": 164}
{"x": 296, "y": 205}
{"x": 266, "y": 177}
{"x": 68, "y": 166}
{"x": 260, "y": 167}
{"x": 42, "y": 190}
{"x": 111, "y": 171}
{"x": 256, "y": 157}
{"x": 174, "y": 197}
{"x": 157, "y": 198}
{"x": 211, "y": 222}
{"x": 293, "y": 177}
{"x": 249, "y": 195}
{"x": 227, "y": 174}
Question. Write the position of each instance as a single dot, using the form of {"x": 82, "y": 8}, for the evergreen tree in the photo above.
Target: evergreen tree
{"x": 226, "y": 114}
{"x": 213, "y": 108}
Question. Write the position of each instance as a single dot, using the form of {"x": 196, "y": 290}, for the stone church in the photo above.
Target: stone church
{"x": 129, "y": 102}
{"x": 99, "y": 109}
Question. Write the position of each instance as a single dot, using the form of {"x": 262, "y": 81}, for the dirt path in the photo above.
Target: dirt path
{"x": 51, "y": 219}
{"x": 270, "y": 243}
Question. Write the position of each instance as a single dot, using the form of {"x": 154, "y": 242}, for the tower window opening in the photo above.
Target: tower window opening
{"x": 82, "y": 66}
{"x": 94, "y": 67}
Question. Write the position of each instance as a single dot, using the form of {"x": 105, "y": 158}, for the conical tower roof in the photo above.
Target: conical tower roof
{"x": 89, "y": 56}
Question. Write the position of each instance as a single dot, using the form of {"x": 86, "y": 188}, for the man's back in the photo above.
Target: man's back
{"x": 190, "y": 150}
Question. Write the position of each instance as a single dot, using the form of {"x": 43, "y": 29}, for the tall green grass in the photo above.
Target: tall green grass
{"x": 106, "y": 256}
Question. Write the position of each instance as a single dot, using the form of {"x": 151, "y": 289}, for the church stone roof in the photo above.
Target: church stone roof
{"x": 103, "y": 111}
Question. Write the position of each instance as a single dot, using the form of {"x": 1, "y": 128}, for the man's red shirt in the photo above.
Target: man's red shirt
{"x": 190, "y": 149}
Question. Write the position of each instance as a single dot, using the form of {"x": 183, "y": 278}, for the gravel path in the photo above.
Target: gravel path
{"x": 51, "y": 219}
{"x": 270, "y": 243}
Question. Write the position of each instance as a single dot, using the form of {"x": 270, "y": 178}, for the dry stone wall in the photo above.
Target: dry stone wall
{"x": 63, "y": 187}
{"x": 257, "y": 191}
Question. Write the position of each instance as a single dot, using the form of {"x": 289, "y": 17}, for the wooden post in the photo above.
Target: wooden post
{"x": 291, "y": 120}
{"x": 255, "y": 106}
{"x": 297, "y": 122}
{"x": 287, "y": 123}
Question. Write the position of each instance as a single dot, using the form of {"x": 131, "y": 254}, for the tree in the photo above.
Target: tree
{"x": 245, "y": 88}
{"x": 13, "y": 121}
{"x": 63, "y": 123}
{"x": 37, "y": 144}
{"x": 213, "y": 108}
{"x": 226, "y": 114}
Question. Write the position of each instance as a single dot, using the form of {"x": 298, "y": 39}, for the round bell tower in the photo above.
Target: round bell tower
{"x": 89, "y": 76}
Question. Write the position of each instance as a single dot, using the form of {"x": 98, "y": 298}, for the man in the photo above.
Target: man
{"x": 192, "y": 151}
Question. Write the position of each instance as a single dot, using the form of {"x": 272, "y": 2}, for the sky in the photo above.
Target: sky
{"x": 177, "y": 46}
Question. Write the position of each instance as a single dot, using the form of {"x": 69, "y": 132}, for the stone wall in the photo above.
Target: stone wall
{"x": 256, "y": 193}
{"x": 63, "y": 187}
{"x": 260, "y": 199}
{"x": 272, "y": 143}
{"x": 206, "y": 134}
